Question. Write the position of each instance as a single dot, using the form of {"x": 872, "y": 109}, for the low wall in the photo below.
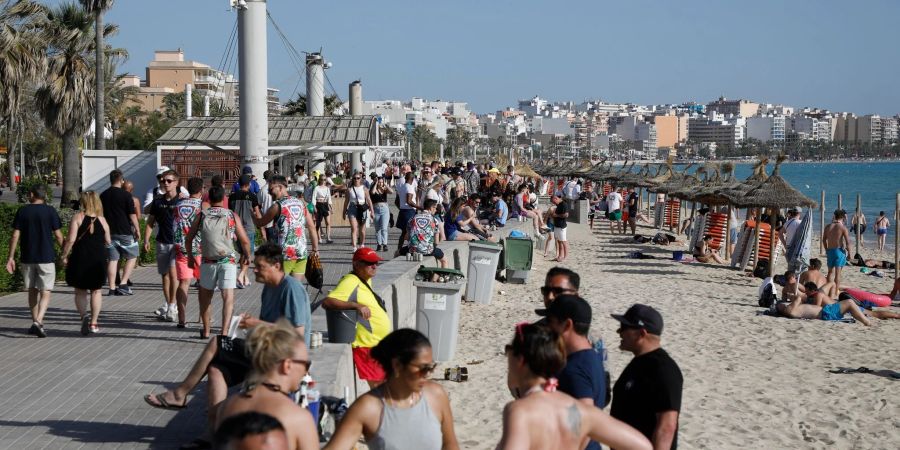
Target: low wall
{"x": 333, "y": 370}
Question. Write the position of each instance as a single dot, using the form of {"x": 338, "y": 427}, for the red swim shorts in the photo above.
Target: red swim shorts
{"x": 367, "y": 368}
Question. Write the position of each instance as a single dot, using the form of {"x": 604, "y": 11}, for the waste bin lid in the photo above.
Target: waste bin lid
{"x": 485, "y": 244}
{"x": 448, "y": 286}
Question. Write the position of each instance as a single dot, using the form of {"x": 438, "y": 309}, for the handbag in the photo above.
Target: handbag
{"x": 315, "y": 276}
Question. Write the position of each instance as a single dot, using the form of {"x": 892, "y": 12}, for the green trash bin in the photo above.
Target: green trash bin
{"x": 518, "y": 254}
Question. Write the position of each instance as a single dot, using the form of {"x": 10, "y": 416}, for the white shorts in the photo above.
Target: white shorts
{"x": 560, "y": 234}
{"x": 39, "y": 276}
{"x": 223, "y": 276}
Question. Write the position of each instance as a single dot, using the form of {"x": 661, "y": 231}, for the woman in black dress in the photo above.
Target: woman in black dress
{"x": 85, "y": 258}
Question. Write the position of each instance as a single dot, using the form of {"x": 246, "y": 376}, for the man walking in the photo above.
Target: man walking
{"x": 354, "y": 292}
{"x": 836, "y": 239}
{"x": 245, "y": 205}
{"x": 614, "y": 214}
{"x": 161, "y": 212}
{"x": 124, "y": 230}
{"x": 186, "y": 211}
{"x": 559, "y": 216}
{"x": 36, "y": 224}
{"x": 292, "y": 222}
{"x": 218, "y": 229}
{"x": 647, "y": 395}
{"x": 583, "y": 376}
{"x": 632, "y": 203}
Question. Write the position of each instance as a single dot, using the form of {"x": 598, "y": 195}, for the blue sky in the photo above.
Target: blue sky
{"x": 838, "y": 55}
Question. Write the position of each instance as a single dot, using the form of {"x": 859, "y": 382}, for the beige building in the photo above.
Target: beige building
{"x": 670, "y": 130}
{"x": 740, "y": 108}
{"x": 864, "y": 129}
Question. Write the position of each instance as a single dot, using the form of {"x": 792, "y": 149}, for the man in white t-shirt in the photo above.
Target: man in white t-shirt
{"x": 790, "y": 228}
{"x": 614, "y": 211}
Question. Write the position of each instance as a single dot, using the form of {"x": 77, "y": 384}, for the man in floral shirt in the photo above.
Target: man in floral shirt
{"x": 425, "y": 233}
{"x": 218, "y": 228}
{"x": 185, "y": 212}
{"x": 290, "y": 216}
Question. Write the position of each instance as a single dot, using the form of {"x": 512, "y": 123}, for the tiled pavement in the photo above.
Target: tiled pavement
{"x": 69, "y": 391}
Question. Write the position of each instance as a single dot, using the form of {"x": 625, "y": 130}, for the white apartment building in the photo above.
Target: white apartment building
{"x": 438, "y": 115}
{"x": 766, "y": 128}
{"x": 726, "y": 133}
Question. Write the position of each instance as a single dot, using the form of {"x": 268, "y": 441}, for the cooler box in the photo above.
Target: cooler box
{"x": 517, "y": 259}
{"x": 437, "y": 316}
{"x": 484, "y": 257}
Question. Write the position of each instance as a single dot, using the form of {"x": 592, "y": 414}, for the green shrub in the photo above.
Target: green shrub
{"x": 25, "y": 186}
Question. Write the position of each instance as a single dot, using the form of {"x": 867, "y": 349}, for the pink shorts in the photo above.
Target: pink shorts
{"x": 185, "y": 272}
{"x": 367, "y": 368}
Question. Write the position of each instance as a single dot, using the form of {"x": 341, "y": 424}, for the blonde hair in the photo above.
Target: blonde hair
{"x": 270, "y": 344}
{"x": 90, "y": 204}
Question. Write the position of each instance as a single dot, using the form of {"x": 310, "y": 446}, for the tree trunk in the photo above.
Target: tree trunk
{"x": 71, "y": 169}
{"x": 10, "y": 155}
{"x": 100, "y": 74}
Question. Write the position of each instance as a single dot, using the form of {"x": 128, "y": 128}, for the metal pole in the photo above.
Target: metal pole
{"x": 840, "y": 201}
{"x": 822, "y": 225}
{"x": 188, "y": 103}
{"x": 253, "y": 67}
{"x": 420, "y": 152}
{"x": 356, "y": 158}
{"x": 858, "y": 217}
{"x": 773, "y": 218}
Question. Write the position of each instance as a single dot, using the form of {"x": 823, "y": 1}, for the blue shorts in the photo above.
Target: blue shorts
{"x": 831, "y": 312}
{"x": 734, "y": 235}
{"x": 836, "y": 257}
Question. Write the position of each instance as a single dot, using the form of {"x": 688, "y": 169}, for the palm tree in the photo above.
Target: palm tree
{"x": 66, "y": 98}
{"x": 97, "y": 8}
{"x": 21, "y": 60}
{"x": 116, "y": 95}
{"x": 298, "y": 107}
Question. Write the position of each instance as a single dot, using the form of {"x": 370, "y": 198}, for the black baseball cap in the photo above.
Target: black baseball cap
{"x": 641, "y": 316}
{"x": 568, "y": 307}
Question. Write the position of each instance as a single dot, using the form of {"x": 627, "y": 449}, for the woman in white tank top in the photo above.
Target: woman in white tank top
{"x": 358, "y": 208}
{"x": 407, "y": 411}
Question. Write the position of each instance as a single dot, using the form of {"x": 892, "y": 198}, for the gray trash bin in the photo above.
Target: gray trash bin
{"x": 437, "y": 316}
{"x": 341, "y": 325}
{"x": 483, "y": 259}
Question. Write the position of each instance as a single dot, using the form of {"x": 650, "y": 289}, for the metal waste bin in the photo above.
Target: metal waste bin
{"x": 437, "y": 316}
{"x": 517, "y": 259}
{"x": 484, "y": 257}
{"x": 341, "y": 325}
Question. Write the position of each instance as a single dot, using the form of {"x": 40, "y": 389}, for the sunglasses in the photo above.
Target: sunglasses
{"x": 546, "y": 290}
{"x": 168, "y": 180}
{"x": 425, "y": 369}
{"x": 370, "y": 264}
{"x": 304, "y": 362}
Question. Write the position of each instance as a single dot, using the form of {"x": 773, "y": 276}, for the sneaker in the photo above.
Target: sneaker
{"x": 130, "y": 283}
{"x": 33, "y": 329}
{"x": 161, "y": 311}
{"x": 329, "y": 241}
{"x": 85, "y": 325}
{"x": 239, "y": 285}
{"x": 113, "y": 293}
{"x": 39, "y": 330}
{"x": 125, "y": 290}
{"x": 172, "y": 315}
{"x": 94, "y": 329}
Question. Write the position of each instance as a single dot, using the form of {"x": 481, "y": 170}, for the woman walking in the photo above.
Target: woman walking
{"x": 322, "y": 198}
{"x": 541, "y": 417}
{"x": 881, "y": 229}
{"x": 378, "y": 195}
{"x": 408, "y": 410}
{"x": 85, "y": 259}
{"x": 357, "y": 208}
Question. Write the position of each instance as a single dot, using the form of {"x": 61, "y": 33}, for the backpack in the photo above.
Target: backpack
{"x": 216, "y": 242}
{"x": 767, "y": 295}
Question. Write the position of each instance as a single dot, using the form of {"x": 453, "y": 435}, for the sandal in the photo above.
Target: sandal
{"x": 161, "y": 402}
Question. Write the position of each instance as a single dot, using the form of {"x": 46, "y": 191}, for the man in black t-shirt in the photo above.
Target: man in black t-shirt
{"x": 632, "y": 202}
{"x": 37, "y": 224}
{"x": 124, "y": 230}
{"x": 162, "y": 212}
{"x": 647, "y": 395}
{"x": 559, "y": 227}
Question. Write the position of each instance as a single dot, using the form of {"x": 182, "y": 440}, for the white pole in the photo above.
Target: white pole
{"x": 253, "y": 68}
{"x": 315, "y": 99}
{"x": 188, "y": 104}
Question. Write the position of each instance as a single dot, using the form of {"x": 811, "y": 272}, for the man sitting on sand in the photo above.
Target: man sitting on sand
{"x": 796, "y": 309}
{"x": 813, "y": 275}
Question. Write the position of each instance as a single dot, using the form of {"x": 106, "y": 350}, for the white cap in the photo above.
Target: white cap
{"x": 161, "y": 170}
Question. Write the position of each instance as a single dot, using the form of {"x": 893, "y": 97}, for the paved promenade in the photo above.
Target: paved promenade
{"x": 71, "y": 392}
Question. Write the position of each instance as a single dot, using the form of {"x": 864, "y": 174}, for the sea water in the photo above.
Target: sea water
{"x": 877, "y": 183}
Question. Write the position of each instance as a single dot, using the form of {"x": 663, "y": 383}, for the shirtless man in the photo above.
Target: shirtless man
{"x": 814, "y": 275}
{"x": 815, "y": 296}
{"x": 541, "y": 417}
{"x": 791, "y": 287}
{"x": 837, "y": 246}
{"x": 796, "y": 309}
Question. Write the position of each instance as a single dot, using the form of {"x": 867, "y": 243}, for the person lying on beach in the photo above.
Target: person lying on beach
{"x": 858, "y": 261}
{"x": 543, "y": 418}
{"x": 796, "y": 309}
{"x": 704, "y": 254}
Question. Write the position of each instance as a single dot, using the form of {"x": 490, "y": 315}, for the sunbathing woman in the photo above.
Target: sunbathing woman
{"x": 704, "y": 254}
{"x": 543, "y": 418}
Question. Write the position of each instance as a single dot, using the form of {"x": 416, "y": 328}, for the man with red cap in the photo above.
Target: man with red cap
{"x": 354, "y": 292}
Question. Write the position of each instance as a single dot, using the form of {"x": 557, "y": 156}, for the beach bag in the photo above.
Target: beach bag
{"x": 315, "y": 276}
{"x": 767, "y": 295}
{"x": 216, "y": 242}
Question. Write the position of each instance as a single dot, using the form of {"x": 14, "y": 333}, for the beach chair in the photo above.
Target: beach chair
{"x": 716, "y": 226}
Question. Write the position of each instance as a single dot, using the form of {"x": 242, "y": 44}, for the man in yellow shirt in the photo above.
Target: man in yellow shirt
{"x": 354, "y": 292}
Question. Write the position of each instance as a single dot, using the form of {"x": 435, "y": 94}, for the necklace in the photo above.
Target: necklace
{"x": 272, "y": 387}
{"x": 389, "y": 398}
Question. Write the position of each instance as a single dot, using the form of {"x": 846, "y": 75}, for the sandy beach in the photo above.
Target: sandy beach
{"x": 749, "y": 380}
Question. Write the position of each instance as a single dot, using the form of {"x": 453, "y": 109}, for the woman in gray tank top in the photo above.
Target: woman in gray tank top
{"x": 406, "y": 412}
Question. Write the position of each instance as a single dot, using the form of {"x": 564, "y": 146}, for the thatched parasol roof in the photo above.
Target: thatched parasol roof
{"x": 775, "y": 192}
{"x": 527, "y": 172}
{"x": 734, "y": 193}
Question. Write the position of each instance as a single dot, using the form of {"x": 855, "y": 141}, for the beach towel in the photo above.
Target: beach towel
{"x": 771, "y": 312}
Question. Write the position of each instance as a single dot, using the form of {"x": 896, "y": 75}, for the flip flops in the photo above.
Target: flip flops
{"x": 842, "y": 370}
{"x": 161, "y": 402}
